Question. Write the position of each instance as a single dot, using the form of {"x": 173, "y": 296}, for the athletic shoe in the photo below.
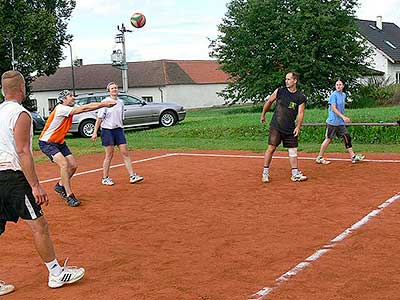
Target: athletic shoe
{"x": 322, "y": 161}
{"x": 6, "y": 288}
{"x": 265, "y": 178}
{"x": 135, "y": 178}
{"x": 61, "y": 190}
{"x": 357, "y": 158}
{"x": 107, "y": 181}
{"x": 299, "y": 177}
{"x": 68, "y": 275}
{"x": 72, "y": 200}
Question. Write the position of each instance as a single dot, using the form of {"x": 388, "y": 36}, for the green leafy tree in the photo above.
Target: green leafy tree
{"x": 38, "y": 30}
{"x": 261, "y": 40}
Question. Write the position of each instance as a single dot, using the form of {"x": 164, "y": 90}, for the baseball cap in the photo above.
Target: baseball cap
{"x": 62, "y": 95}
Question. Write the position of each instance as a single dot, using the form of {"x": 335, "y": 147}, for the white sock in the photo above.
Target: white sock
{"x": 295, "y": 171}
{"x": 266, "y": 170}
{"x": 54, "y": 267}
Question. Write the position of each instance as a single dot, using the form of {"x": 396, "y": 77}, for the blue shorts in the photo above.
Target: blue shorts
{"x": 112, "y": 137}
{"x": 51, "y": 149}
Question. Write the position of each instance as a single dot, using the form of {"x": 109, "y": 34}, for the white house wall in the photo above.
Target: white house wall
{"x": 194, "y": 96}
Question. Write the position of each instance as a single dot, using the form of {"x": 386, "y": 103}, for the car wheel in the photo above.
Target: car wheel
{"x": 86, "y": 128}
{"x": 168, "y": 118}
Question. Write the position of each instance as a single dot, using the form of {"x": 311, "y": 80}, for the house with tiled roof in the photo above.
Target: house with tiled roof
{"x": 192, "y": 83}
{"x": 384, "y": 40}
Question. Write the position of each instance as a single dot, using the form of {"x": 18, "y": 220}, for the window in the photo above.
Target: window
{"x": 390, "y": 44}
{"x": 34, "y": 104}
{"x": 397, "y": 77}
{"x": 148, "y": 98}
{"x": 129, "y": 100}
{"x": 52, "y": 103}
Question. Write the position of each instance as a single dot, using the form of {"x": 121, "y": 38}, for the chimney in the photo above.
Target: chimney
{"x": 379, "y": 24}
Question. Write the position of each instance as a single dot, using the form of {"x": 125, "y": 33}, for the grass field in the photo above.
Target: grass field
{"x": 239, "y": 128}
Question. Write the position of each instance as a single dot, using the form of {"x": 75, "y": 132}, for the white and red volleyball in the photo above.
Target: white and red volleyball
{"x": 138, "y": 20}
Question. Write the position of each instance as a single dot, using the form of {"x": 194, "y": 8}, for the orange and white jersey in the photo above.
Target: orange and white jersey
{"x": 58, "y": 124}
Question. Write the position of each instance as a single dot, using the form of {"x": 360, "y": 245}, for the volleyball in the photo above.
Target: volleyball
{"x": 138, "y": 20}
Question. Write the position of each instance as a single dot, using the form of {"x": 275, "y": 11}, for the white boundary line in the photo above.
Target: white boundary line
{"x": 283, "y": 157}
{"x": 215, "y": 155}
{"x": 114, "y": 166}
{"x": 261, "y": 294}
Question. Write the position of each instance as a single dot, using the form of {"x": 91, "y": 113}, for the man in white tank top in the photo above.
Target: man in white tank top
{"x": 21, "y": 194}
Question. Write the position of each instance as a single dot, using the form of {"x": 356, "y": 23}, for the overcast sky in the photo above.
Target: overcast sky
{"x": 175, "y": 29}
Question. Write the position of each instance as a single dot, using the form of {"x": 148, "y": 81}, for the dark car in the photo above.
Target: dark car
{"x": 37, "y": 121}
{"x": 137, "y": 112}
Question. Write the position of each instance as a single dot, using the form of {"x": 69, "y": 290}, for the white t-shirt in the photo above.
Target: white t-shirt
{"x": 9, "y": 113}
{"x": 112, "y": 116}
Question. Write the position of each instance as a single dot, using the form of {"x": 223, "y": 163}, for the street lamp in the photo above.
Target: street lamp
{"x": 72, "y": 69}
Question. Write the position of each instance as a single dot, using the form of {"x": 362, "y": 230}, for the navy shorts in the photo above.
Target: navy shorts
{"x": 51, "y": 149}
{"x": 112, "y": 137}
{"x": 16, "y": 199}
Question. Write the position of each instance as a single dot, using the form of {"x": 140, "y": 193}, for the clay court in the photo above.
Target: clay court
{"x": 202, "y": 226}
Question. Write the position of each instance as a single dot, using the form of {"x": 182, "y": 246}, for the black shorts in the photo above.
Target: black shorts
{"x": 16, "y": 199}
{"x": 276, "y": 137}
{"x": 332, "y": 131}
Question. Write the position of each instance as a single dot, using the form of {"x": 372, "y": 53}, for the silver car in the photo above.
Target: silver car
{"x": 137, "y": 112}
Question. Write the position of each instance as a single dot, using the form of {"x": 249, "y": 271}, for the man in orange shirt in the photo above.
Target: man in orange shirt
{"x": 51, "y": 140}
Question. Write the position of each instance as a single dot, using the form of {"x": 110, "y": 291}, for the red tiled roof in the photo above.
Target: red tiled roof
{"x": 140, "y": 74}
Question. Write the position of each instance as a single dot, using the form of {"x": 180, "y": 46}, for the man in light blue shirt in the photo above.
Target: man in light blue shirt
{"x": 336, "y": 125}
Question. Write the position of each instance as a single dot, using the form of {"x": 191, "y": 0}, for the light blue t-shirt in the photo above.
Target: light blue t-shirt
{"x": 338, "y": 99}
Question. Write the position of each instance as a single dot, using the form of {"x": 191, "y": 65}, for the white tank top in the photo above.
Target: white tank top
{"x": 9, "y": 113}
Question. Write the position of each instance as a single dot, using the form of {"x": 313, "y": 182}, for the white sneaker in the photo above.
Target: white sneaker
{"x": 265, "y": 178}
{"x": 68, "y": 275}
{"x": 135, "y": 178}
{"x": 299, "y": 177}
{"x": 322, "y": 161}
{"x": 357, "y": 158}
{"x": 107, "y": 181}
{"x": 6, "y": 288}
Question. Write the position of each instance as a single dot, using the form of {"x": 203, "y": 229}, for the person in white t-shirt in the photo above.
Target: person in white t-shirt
{"x": 112, "y": 134}
{"x": 21, "y": 194}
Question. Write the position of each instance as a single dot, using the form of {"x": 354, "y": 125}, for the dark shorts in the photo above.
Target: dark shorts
{"x": 16, "y": 199}
{"x": 112, "y": 137}
{"x": 276, "y": 137}
{"x": 333, "y": 131}
{"x": 51, "y": 149}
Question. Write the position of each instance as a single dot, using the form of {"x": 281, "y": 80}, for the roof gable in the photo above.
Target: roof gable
{"x": 387, "y": 40}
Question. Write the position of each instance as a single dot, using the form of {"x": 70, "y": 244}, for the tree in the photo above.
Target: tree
{"x": 261, "y": 40}
{"x": 38, "y": 30}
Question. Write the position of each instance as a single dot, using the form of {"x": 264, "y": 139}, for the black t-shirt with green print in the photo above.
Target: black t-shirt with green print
{"x": 286, "y": 110}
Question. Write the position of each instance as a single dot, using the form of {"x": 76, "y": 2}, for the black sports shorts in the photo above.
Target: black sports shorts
{"x": 276, "y": 137}
{"x": 333, "y": 131}
{"x": 16, "y": 199}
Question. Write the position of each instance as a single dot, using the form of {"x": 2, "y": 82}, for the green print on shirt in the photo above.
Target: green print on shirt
{"x": 292, "y": 105}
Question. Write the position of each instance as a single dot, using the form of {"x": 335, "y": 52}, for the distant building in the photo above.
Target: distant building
{"x": 192, "y": 83}
{"x": 384, "y": 39}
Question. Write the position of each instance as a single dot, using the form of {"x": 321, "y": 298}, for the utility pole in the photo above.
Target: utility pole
{"x": 118, "y": 57}
{"x": 13, "y": 61}
{"x": 72, "y": 69}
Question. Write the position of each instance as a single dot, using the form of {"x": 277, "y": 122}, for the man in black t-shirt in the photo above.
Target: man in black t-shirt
{"x": 290, "y": 105}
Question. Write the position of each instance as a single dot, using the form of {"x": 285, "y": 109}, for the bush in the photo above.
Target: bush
{"x": 376, "y": 92}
